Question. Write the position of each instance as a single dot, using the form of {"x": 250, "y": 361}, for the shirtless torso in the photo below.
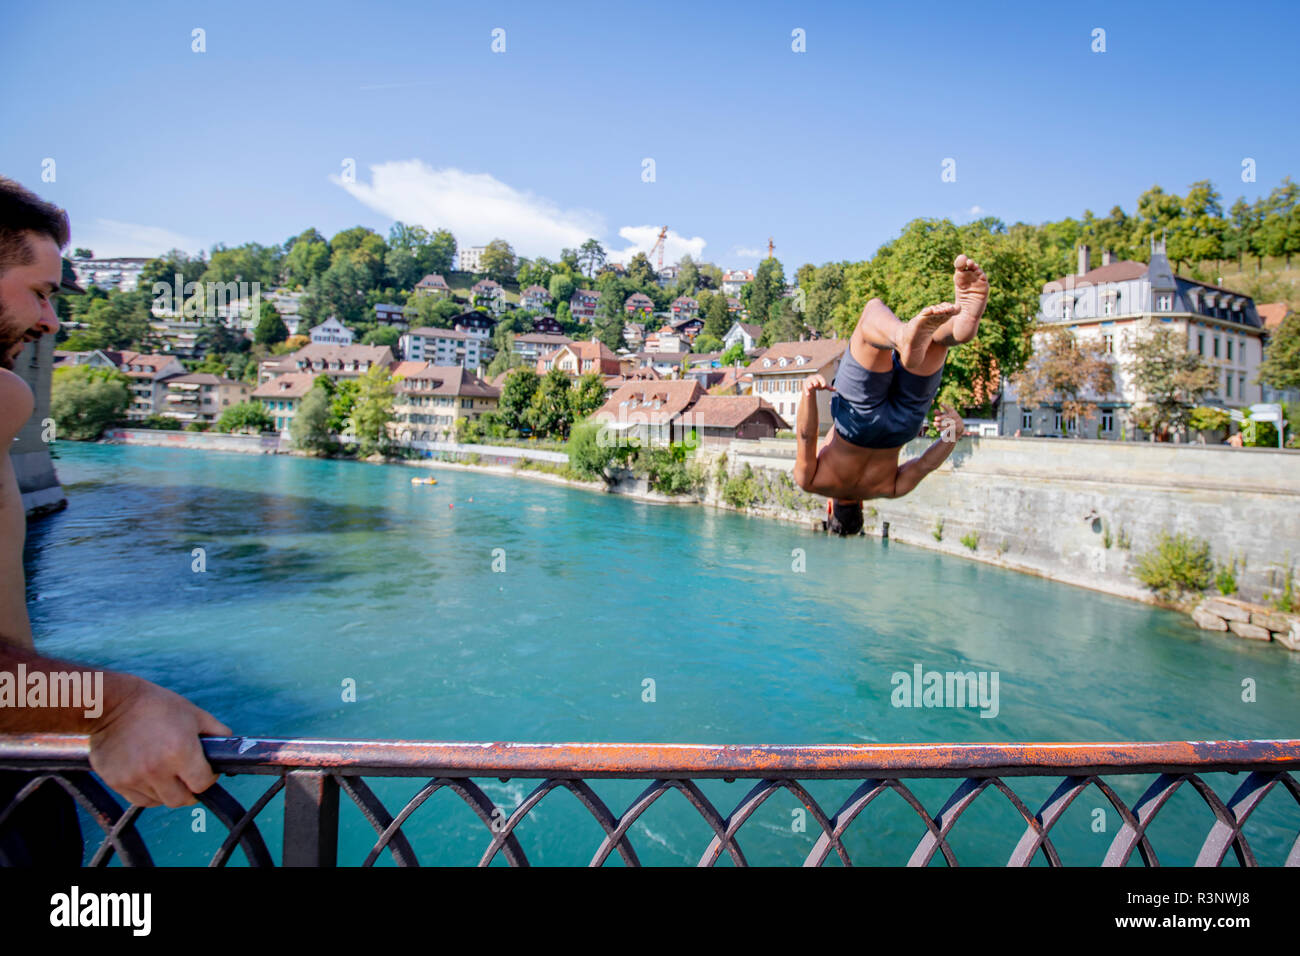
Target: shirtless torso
{"x": 16, "y": 405}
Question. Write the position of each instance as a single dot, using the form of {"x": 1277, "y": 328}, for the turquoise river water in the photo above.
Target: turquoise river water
{"x": 321, "y": 571}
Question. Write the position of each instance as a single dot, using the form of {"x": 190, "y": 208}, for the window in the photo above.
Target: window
{"x": 1216, "y": 346}
{"x": 1026, "y": 419}
{"x": 1200, "y": 343}
{"x": 1107, "y": 421}
{"x": 1229, "y": 350}
{"x": 1164, "y": 302}
{"x": 1241, "y": 386}
{"x": 1067, "y": 303}
{"x": 1108, "y": 342}
{"x": 1057, "y": 423}
{"x": 1227, "y": 385}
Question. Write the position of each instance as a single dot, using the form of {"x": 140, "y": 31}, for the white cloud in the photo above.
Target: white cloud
{"x": 475, "y": 207}
{"x": 643, "y": 238}
{"x": 745, "y": 252}
{"x": 975, "y": 211}
{"x": 109, "y": 237}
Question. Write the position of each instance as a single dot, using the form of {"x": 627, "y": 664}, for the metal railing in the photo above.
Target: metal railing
{"x": 313, "y": 773}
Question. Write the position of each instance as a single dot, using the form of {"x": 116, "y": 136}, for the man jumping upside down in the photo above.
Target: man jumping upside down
{"x": 886, "y": 383}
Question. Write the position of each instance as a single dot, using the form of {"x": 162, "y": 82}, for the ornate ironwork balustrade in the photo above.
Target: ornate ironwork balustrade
{"x": 311, "y": 775}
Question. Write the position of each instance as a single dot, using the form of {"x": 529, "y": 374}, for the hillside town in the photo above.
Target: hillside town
{"x": 744, "y": 385}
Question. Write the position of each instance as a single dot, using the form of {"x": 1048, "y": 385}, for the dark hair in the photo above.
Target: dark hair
{"x": 21, "y": 212}
{"x": 845, "y": 519}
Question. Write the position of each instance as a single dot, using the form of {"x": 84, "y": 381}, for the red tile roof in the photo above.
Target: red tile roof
{"x": 653, "y": 402}
{"x": 288, "y": 385}
{"x": 1273, "y": 314}
{"x": 816, "y": 356}
{"x": 729, "y": 411}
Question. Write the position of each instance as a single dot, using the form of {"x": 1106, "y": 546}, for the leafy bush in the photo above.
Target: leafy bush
{"x": 668, "y": 471}
{"x": 1259, "y": 435}
{"x": 741, "y": 491}
{"x": 1177, "y": 563}
{"x": 247, "y": 417}
{"x": 84, "y": 401}
{"x": 971, "y": 540}
{"x": 587, "y": 456}
{"x": 1225, "y": 579}
{"x": 1207, "y": 419}
{"x": 937, "y": 532}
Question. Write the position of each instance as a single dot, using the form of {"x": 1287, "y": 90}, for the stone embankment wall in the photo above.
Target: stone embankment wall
{"x": 1077, "y": 511}
{"x": 268, "y": 444}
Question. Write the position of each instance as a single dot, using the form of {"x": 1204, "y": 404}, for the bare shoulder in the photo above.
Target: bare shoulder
{"x": 16, "y": 406}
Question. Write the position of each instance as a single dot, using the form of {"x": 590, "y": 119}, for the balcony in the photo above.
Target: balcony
{"x": 310, "y": 776}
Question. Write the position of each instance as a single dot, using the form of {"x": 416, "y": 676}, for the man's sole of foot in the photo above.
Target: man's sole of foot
{"x": 970, "y": 302}
{"x": 915, "y": 338}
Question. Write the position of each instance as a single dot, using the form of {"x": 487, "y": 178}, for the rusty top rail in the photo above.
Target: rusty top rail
{"x": 680, "y": 761}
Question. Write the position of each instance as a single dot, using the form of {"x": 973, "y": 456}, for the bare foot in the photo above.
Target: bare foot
{"x": 914, "y": 337}
{"x": 972, "y": 295}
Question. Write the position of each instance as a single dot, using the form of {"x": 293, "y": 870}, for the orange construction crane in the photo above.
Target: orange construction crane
{"x": 658, "y": 247}
{"x": 770, "y": 247}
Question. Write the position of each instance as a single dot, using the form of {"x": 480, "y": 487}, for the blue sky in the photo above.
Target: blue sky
{"x": 830, "y": 151}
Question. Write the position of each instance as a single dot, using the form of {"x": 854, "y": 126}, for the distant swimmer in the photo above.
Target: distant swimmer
{"x": 886, "y": 383}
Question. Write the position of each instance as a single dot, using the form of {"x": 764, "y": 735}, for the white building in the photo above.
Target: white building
{"x": 445, "y": 347}
{"x": 745, "y": 333}
{"x": 471, "y": 259}
{"x": 1116, "y": 303}
{"x": 122, "y": 273}
{"x": 733, "y": 280}
{"x": 331, "y": 332}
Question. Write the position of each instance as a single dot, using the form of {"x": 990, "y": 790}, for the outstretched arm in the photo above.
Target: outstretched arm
{"x": 910, "y": 473}
{"x": 144, "y": 740}
{"x": 805, "y": 460}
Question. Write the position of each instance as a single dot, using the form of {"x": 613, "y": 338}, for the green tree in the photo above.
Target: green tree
{"x": 608, "y": 323}
{"x": 373, "y": 410}
{"x": 246, "y": 417}
{"x": 733, "y": 355}
{"x": 765, "y": 291}
{"x": 307, "y": 258}
{"x": 498, "y": 260}
{"x": 383, "y": 335}
{"x": 516, "y": 400}
{"x": 1062, "y": 373}
{"x": 1281, "y": 366}
{"x": 310, "y": 428}
{"x": 688, "y": 276}
{"x": 590, "y": 257}
{"x": 438, "y": 254}
{"x": 717, "y": 318}
{"x": 84, "y": 401}
{"x": 562, "y": 288}
{"x": 1173, "y": 379}
{"x": 641, "y": 273}
{"x": 915, "y": 270}
{"x": 588, "y": 395}
{"x": 343, "y": 398}
{"x": 402, "y": 267}
{"x": 432, "y": 312}
{"x": 587, "y": 455}
{"x": 120, "y": 321}
{"x": 270, "y": 327}
{"x": 707, "y": 343}
{"x": 339, "y": 291}
{"x": 552, "y": 408}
